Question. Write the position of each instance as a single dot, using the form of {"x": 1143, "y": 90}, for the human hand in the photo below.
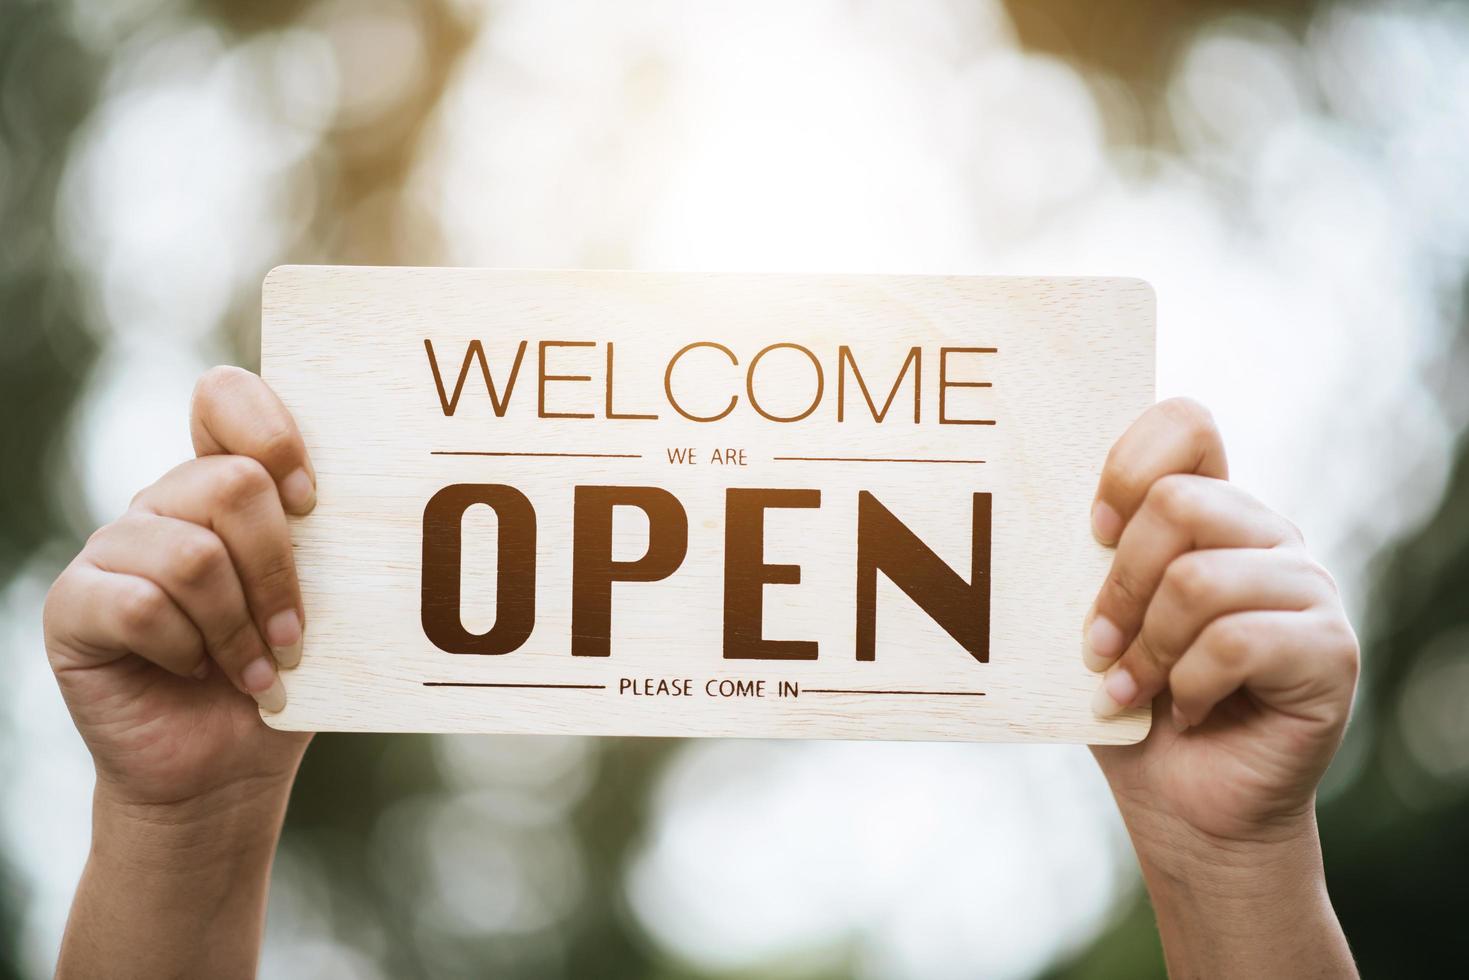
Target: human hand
{"x": 1214, "y": 608}
{"x": 169, "y": 627}
{"x": 1215, "y": 613}
{"x": 164, "y": 633}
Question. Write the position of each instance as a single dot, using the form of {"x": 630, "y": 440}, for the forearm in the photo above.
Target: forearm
{"x": 167, "y": 893}
{"x": 1256, "y": 910}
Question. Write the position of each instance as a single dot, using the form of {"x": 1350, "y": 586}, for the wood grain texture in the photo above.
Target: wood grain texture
{"x": 1072, "y": 366}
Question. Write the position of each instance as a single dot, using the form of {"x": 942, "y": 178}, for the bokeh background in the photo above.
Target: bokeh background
{"x": 1291, "y": 176}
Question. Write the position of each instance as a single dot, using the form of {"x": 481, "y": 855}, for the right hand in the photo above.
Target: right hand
{"x": 174, "y": 620}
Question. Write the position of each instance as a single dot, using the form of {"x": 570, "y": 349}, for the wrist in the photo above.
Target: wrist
{"x": 190, "y": 876}
{"x": 1176, "y": 853}
{"x": 229, "y": 831}
{"x": 1248, "y": 908}
{"x": 1232, "y": 876}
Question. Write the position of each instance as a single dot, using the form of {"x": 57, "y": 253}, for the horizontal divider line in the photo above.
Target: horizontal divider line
{"x": 868, "y": 459}
{"x": 470, "y": 452}
{"x": 557, "y": 687}
{"x": 782, "y": 459}
{"x": 843, "y": 690}
{"x": 603, "y": 687}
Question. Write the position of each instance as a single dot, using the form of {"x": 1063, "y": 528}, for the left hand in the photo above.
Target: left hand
{"x": 1215, "y": 614}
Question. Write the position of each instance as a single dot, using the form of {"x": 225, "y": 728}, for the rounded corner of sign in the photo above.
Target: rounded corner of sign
{"x": 281, "y": 721}
{"x": 1141, "y": 285}
{"x": 275, "y": 274}
{"x": 1128, "y": 729}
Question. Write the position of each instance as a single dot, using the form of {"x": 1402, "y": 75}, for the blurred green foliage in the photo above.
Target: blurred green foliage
{"x": 1397, "y": 854}
{"x": 1398, "y": 872}
{"x": 48, "y": 83}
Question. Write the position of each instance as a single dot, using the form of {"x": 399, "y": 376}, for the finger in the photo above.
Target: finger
{"x": 192, "y": 566}
{"x": 1180, "y": 514}
{"x": 106, "y": 616}
{"x": 1174, "y": 436}
{"x": 1301, "y": 663}
{"x": 1197, "y": 588}
{"x": 235, "y": 413}
{"x": 234, "y": 497}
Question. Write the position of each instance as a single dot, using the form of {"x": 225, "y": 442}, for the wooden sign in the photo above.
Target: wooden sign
{"x": 621, "y": 503}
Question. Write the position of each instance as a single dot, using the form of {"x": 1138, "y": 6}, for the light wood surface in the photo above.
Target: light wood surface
{"x": 1072, "y": 365}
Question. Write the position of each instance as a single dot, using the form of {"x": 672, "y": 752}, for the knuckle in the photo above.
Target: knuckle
{"x": 1189, "y": 415}
{"x": 1173, "y": 497}
{"x": 99, "y": 537}
{"x": 1343, "y": 649}
{"x": 1292, "y": 532}
{"x": 213, "y": 385}
{"x": 115, "y": 536}
{"x": 144, "y": 501}
{"x": 1315, "y": 570}
{"x": 130, "y": 524}
{"x": 197, "y": 557}
{"x": 140, "y": 608}
{"x": 1229, "y": 642}
{"x": 238, "y": 480}
{"x": 1190, "y": 578}
{"x": 55, "y": 597}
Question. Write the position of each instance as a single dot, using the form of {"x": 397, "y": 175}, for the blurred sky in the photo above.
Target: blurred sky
{"x": 1306, "y": 243}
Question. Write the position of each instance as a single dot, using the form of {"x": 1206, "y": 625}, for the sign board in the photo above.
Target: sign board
{"x": 623, "y": 503}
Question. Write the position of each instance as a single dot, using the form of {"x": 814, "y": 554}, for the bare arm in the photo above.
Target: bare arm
{"x": 173, "y": 893}
{"x": 1215, "y": 614}
{"x": 1255, "y": 911}
{"x": 167, "y": 635}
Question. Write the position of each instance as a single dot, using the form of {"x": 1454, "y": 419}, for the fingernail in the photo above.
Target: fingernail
{"x": 1106, "y": 524}
{"x": 298, "y": 492}
{"x": 1180, "y": 720}
{"x": 1103, "y": 644}
{"x": 1115, "y": 693}
{"x": 202, "y": 671}
{"x": 264, "y": 684}
{"x": 283, "y": 633}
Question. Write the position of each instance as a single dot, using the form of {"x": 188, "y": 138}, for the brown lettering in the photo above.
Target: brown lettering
{"x": 541, "y": 388}
{"x": 515, "y": 585}
{"x": 885, "y": 544}
{"x": 475, "y": 349}
{"x": 668, "y": 381}
{"x": 593, "y": 569}
{"x": 945, "y": 384}
{"x": 750, "y": 383}
{"x": 746, "y": 574}
{"x": 610, "y": 413}
{"x": 844, "y": 357}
